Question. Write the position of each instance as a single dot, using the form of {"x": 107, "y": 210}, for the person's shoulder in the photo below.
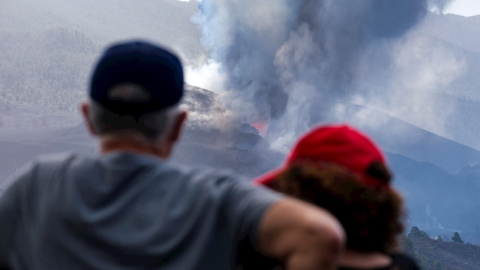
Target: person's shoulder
{"x": 220, "y": 181}
{"x": 57, "y": 158}
{"x": 43, "y": 160}
{"x": 36, "y": 171}
{"x": 207, "y": 174}
{"x": 47, "y": 163}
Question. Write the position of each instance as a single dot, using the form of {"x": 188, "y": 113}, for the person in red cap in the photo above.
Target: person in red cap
{"x": 341, "y": 170}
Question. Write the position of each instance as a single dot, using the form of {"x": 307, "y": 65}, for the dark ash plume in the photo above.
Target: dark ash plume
{"x": 288, "y": 61}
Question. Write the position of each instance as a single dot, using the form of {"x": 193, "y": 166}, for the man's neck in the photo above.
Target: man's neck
{"x": 134, "y": 144}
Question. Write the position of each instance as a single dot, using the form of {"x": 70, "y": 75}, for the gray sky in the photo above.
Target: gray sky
{"x": 464, "y": 7}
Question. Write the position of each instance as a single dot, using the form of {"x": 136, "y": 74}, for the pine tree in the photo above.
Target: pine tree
{"x": 408, "y": 247}
{"x": 415, "y": 232}
{"x": 456, "y": 238}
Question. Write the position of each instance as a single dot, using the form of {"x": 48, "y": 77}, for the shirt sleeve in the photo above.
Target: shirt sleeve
{"x": 9, "y": 211}
{"x": 12, "y": 193}
{"x": 244, "y": 206}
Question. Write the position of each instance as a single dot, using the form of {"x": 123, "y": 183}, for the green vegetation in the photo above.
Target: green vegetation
{"x": 456, "y": 238}
{"x": 415, "y": 232}
{"x": 438, "y": 254}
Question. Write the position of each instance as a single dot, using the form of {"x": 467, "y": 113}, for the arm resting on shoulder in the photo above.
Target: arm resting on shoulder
{"x": 305, "y": 237}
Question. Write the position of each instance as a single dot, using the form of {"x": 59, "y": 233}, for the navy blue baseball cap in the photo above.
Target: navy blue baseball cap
{"x": 156, "y": 69}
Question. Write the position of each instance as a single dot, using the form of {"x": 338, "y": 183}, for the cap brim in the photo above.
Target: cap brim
{"x": 268, "y": 178}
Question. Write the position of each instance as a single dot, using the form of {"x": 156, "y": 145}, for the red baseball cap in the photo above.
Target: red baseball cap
{"x": 340, "y": 144}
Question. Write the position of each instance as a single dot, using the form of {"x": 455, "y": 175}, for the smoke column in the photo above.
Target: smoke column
{"x": 288, "y": 62}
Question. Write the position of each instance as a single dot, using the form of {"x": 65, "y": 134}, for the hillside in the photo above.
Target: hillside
{"x": 109, "y": 20}
{"x": 441, "y": 253}
{"x": 455, "y": 29}
{"x": 437, "y": 201}
{"x": 400, "y": 137}
{"x": 448, "y": 47}
{"x": 452, "y": 256}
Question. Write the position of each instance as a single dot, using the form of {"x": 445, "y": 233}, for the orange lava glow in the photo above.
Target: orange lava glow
{"x": 262, "y": 127}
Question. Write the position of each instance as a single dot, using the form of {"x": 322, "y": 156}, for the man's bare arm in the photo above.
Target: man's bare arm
{"x": 305, "y": 237}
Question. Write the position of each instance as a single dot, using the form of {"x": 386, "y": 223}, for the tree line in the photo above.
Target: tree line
{"x": 441, "y": 253}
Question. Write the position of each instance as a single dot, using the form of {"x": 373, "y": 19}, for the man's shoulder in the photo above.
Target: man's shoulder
{"x": 210, "y": 172}
{"x": 173, "y": 171}
{"x": 54, "y": 161}
{"x": 44, "y": 166}
{"x": 45, "y": 160}
{"x": 57, "y": 158}
{"x": 36, "y": 172}
{"x": 205, "y": 174}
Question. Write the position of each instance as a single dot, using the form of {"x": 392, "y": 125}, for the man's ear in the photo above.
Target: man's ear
{"x": 85, "y": 108}
{"x": 177, "y": 127}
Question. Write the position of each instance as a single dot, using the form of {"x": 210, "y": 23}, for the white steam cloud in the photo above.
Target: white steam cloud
{"x": 291, "y": 62}
{"x": 208, "y": 76}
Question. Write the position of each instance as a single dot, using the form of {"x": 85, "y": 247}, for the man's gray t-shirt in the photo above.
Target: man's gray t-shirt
{"x": 126, "y": 211}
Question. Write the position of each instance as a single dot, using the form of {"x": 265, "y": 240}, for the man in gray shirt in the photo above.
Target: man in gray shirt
{"x": 129, "y": 208}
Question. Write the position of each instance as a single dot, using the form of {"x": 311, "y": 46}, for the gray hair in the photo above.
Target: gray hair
{"x": 153, "y": 126}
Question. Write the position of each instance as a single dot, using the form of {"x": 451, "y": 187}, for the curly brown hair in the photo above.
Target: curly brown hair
{"x": 371, "y": 216}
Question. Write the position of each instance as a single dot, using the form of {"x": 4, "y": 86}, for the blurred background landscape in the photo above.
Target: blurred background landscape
{"x": 422, "y": 104}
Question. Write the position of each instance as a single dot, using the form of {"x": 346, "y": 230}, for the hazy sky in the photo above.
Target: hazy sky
{"x": 464, "y": 7}
{"x": 460, "y": 7}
